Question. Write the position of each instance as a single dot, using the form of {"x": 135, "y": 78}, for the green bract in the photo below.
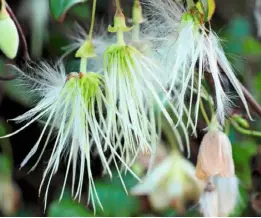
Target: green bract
{"x": 9, "y": 38}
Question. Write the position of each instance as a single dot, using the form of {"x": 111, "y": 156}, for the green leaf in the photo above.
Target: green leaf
{"x": 5, "y": 166}
{"x": 251, "y": 46}
{"x": 68, "y": 208}
{"x": 242, "y": 152}
{"x": 257, "y": 81}
{"x": 114, "y": 199}
{"x": 60, "y": 7}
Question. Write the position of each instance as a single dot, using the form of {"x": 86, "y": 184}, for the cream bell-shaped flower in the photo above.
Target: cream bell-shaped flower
{"x": 171, "y": 184}
{"x": 134, "y": 90}
{"x": 189, "y": 51}
{"x": 72, "y": 108}
{"x": 215, "y": 154}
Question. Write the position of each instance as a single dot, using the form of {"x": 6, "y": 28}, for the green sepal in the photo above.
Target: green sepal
{"x": 86, "y": 50}
{"x": 119, "y": 24}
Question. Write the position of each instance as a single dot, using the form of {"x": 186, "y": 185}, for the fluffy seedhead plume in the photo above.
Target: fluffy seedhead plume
{"x": 190, "y": 50}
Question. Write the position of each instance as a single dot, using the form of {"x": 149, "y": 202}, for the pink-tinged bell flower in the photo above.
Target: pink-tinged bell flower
{"x": 215, "y": 155}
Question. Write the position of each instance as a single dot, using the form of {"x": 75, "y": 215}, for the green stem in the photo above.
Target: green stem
{"x": 120, "y": 37}
{"x": 227, "y": 127}
{"x": 118, "y": 5}
{"x": 211, "y": 106}
{"x": 83, "y": 65}
{"x": 245, "y": 131}
{"x": 136, "y": 32}
{"x": 203, "y": 111}
{"x": 93, "y": 19}
{"x": 169, "y": 134}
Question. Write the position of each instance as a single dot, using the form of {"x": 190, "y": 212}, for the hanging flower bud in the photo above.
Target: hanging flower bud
{"x": 9, "y": 38}
{"x": 215, "y": 154}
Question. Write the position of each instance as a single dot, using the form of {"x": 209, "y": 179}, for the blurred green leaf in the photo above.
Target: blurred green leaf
{"x": 68, "y": 208}
{"x": 24, "y": 212}
{"x": 5, "y": 166}
{"x": 2, "y": 129}
{"x": 239, "y": 27}
{"x": 242, "y": 203}
{"x": 241, "y": 153}
{"x": 114, "y": 199}
{"x": 81, "y": 11}
{"x": 251, "y": 46}
{"x": 257, "y": 81}
{"x": 60, "y": 7}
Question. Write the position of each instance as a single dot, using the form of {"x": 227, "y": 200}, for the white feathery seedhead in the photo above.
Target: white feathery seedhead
{"x": 163, "y": 18}
{"x": 189, "y": 45}
{"x": 72, "y": 109}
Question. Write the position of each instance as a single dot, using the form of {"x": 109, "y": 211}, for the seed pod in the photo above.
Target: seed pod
{"x": 215, "y": 156}
{"x": 9, "y": 38}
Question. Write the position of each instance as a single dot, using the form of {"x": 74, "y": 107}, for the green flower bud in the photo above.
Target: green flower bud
{"x": 9, "y": 38}
{"x": 241, "y": 121}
